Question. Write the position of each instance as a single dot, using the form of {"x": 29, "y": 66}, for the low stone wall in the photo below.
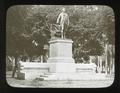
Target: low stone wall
{"x": 85, "y": 68}
{"x": 33, "y": 70}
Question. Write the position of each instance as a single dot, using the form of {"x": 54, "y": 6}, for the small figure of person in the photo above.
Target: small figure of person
{"x": 63, "y": 20}
{"x": 15, "y": 67}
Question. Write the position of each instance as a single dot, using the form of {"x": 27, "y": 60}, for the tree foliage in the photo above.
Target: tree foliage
{"x": 90, "y": 27}
{"x": 14, "y": 28}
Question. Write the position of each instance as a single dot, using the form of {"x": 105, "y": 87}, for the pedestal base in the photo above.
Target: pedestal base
{"x": 60, "y": 56}
{"x": 62, "y": 68}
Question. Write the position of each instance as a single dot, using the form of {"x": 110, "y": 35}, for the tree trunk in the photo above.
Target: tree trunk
{"x": 111, "y": 59}
{"x": 41, "y": 58}
{"x": 106, "y": 61}
{"x": 30, "y": 57}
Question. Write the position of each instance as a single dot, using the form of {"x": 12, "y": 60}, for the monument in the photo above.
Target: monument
{"x": 60, "y": 54}
{"x": 60, "y": 64}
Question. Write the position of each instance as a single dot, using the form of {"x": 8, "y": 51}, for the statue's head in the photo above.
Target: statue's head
{"x": 63, "y": 9}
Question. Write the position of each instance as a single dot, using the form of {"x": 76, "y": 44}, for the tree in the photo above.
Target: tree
{"x": 23, "y": 30}
{"x": 88, "y": 24}
{"x": 36, "y": 28}
{"x": 14, "y": 29}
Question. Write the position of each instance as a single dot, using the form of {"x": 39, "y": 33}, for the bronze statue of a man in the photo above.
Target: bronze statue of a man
{"x": 63, "y": 20}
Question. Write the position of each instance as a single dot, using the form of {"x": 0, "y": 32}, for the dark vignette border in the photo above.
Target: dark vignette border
{"x": 8, "y": 3}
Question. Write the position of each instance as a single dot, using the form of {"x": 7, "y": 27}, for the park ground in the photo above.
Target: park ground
{"x": 108, "y": 81}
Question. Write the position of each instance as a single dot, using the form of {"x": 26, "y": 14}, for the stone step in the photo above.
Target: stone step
{"x": 75, "y": 76}
{"x": 43, "y": 75}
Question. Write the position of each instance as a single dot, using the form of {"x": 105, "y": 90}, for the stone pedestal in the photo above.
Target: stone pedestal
{"x": 60, "y": 56}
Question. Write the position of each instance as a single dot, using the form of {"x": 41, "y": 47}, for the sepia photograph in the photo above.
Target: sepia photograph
{"x": 60, "y": 46}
